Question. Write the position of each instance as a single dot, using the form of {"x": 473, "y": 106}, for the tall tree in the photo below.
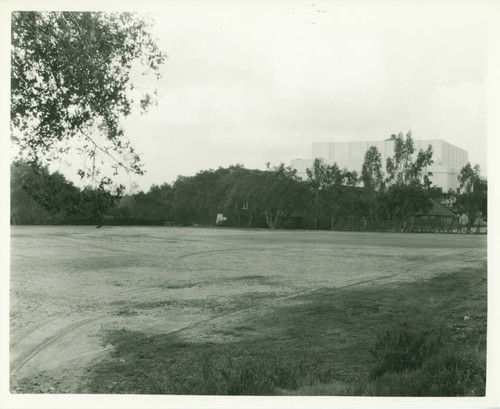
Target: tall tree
{"x": 349, "y": 199}
{"x": 472, "y": 200}
{"x": 195, "y": 198}
{"x": 278, "y": 192}
{"x": 404, "y": 201}
{"x": 318, "y": 182}
{"x": 407, "y": 180}
{"x": 372, "y": 176}
{"x": 404, "y": 166}
{"x": 334, "y": 178}
{"x": 233, "y": 189}
{"x": 71, "y": 86}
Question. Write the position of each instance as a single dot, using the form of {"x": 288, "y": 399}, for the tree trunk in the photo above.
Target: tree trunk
{"x": 271, "y": 222}
{"x": 237, "y": 214}
{"x": 275, "y": 222}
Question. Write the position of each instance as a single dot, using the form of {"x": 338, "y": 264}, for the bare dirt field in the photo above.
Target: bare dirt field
{"x": 70, "y": 285}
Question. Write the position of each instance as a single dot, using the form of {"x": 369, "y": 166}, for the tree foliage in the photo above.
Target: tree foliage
{"x": 34, "y": 188}
{"x": 333, "y": 192}
{"x": 279, "y": 193}
{"x": 404, "y": 167}
{"x": 24, "y": 208}
{"x": 39, "y": 196}
{"x": 407, "y": 181}
{"x": 71, "y": 85}
{"x": 244, "y": 194}
{"x": 273, "y": 198}
{"x": 472, "y": 200}
{"x": 371, "y": 170}
{"x": 372, "y": 177}
{"x": 318, "y": 178}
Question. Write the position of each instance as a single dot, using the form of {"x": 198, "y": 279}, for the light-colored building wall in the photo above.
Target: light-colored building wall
{"x": 448, "y": 159}
{"x": 302, "y": 165}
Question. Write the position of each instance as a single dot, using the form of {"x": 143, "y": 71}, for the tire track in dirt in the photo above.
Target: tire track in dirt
{"x": 216, "y": 251}
{"x": 68, "y": 329}
{"x": 21, "y": 361}
{"x": 109, "y": 246}
{"x": 15, "y": 339}
{"x": 26, "y": 333}
{"x": 280, "y": 299}
{"x": 268, "y": 304}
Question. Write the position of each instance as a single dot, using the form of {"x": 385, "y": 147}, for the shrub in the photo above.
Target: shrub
{"x": 415, "y": 363}
{"x": 402, "y": 349}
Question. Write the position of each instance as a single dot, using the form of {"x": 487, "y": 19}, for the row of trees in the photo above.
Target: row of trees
{"x": 71, "y": 87}
{"x": 399, "y": 193}
{"x": 41, "y": 197}
{"x": 260, "y": 198}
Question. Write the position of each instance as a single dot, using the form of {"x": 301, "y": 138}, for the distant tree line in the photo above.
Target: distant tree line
{"x": 38, "y": 196}
{"x": 273, "y": 198}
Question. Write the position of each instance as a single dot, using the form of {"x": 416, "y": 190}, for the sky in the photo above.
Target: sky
{"x": 252, "y": 83}
{"x": 256, "y": 82}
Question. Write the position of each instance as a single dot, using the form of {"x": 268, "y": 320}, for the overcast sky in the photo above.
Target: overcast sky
{"x": 256, "y": 82}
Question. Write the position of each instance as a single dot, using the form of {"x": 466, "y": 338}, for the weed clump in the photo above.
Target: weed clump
{"x": 409, "y": 362}
{"x": 403, "y": 349}
{"x": 248, "y": 376}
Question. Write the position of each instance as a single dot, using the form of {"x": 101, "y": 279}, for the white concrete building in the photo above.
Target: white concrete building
{"x": 448, "y": 159}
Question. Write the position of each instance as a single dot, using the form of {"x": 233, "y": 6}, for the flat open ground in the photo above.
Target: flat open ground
{"x": 71, "y": 287}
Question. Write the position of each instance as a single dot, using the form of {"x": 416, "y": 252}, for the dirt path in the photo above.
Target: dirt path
{"x": 70, "y": 285}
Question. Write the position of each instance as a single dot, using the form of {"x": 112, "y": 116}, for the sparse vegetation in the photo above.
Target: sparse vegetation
{"x": 426, "y": 338}
{"x": 403, "y": 349}
{"x": 449, "y": 372}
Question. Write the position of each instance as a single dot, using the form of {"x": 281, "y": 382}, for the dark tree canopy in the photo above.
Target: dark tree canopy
{"x": 71, "y": 84}
{"x": 273, "y": 198}
{"x": 38, "y": 196}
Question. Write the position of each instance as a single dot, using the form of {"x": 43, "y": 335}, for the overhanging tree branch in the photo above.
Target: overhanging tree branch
{"x": 71, "y": 70}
